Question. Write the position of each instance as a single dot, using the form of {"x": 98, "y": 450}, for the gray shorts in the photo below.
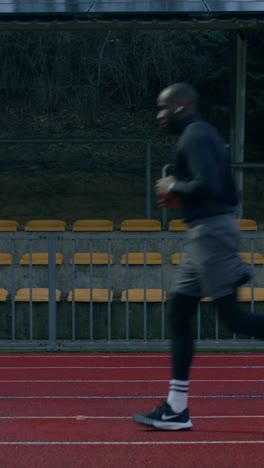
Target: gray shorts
{"x": 212, "y": 264}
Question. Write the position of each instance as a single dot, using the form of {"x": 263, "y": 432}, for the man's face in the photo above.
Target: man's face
{"x": 168, "y": 115}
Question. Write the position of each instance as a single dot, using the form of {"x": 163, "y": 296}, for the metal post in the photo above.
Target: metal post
{"x": 30, "y": 293}
{"x": 52, "y": 290}
{"x": 163, "y": 290}
{"x": 13, "y": 293}
{"x": 164, "y": 210}
{"x": 127, "y": 298}
{"x": 91, "y": 293}
{"x": 148, "y": 181}
{"x": 199, "y": 321}
{"x": 109, "y": 304}
{"x": 238, "y": 83}
{"x": 252, "y": 285}
{"x": 145, "y": 292}
{"x": 73, "y": 293}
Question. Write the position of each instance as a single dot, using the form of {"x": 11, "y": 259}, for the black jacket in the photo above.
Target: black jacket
{"x": 204, "y": 180}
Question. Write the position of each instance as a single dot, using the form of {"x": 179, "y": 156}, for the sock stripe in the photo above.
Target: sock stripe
{"x": 179, "y": 386}
{"x": 178, "y": 391}
{"x": 183, "y": 388}
{"x": 178, "y": 395}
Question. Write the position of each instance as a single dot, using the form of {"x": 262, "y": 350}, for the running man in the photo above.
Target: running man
{"x": 212, "y": 266}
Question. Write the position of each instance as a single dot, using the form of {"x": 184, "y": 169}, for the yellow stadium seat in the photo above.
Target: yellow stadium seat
{"x": 244, "y": 294}
{"x": 84, "y": 295}
{"x": 177, "y": 257}
{"x": 45, "y": 225}
{"x": 3, "y": 295}
{"x": 177, "y": 225}
{"x": 140, "y": 225}
{"x": 40, "y": 258}
{"x": 38, "y": 295}
{"x": 8, "y": 225}
{"x": 5, "y": 259}
{"x": 258, "y": 258}
{"x": 206, "y": 299}
{"x": 137, "y": 295}
{"x": 247, "y": 224}
{"x": 93, "y": 225}
{"x": 244, "y": 224}
{"x": 84, "y": 258}
{"x": 139, "y": 258}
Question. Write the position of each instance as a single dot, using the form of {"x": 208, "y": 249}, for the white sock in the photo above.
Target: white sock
{"x": 178, "y": 395}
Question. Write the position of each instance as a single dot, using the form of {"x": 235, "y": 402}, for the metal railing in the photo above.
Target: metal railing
{"x": 90, "y": 324}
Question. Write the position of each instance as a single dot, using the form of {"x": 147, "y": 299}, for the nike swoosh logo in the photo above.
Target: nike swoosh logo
{"x": 166, "y": 417}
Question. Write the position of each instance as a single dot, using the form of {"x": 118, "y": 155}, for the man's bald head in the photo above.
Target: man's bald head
{"x": 179, "y": 94}
{"x": 174, "y": 103}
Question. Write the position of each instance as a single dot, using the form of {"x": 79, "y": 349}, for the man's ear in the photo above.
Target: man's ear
{"x": 178, "y": 109}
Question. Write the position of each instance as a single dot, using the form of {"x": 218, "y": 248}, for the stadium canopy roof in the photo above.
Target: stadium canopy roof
{"x": 131, "y": 14}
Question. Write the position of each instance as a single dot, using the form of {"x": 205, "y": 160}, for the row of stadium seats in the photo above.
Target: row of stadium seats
{"x": 132, "y": 258}
{"x": 105, "y": 295}
{"x": 104, "y": 225}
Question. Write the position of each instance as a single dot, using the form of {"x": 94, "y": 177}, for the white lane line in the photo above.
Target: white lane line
{"x": 90, "y": 356}
{"x": 145, "y": 442}
{"x": 126, "y": 381}
{"x": 125, "y": 356}
{"x": 84, "y": 367}
{"x": 122, "y": 367}
{"x": 118, "y": 397}
{"x": 83, "y": 417}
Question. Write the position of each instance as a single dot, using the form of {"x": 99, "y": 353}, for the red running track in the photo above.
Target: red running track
{"x": 74, "y": 410}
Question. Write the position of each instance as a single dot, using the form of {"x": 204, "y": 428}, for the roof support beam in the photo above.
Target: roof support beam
{"x": 238, "y": 106}
{"x": 56, "y": 23}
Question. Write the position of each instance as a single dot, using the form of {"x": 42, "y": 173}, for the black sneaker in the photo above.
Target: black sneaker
{"x": 164, "y": 418}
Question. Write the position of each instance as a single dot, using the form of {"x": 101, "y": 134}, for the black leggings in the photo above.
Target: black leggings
{"x": 182, "y": 310}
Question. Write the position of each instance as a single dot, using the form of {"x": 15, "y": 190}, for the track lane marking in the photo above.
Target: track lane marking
{"x": 261, "y": 380}
{"x": 121, "y": 367}
{"x": 124, "y": 356}
{"x": 145, "y": 442}
{"x": 118, "y": 397}
{"x": 124, "y": 417}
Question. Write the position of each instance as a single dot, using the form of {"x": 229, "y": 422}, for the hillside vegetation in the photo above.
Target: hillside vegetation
{"x": 102, "y": 85}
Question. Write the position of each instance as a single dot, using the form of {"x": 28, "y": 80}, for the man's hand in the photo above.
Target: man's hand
{"x": 165, "y": 198}
{"x": 163, "y": 184}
